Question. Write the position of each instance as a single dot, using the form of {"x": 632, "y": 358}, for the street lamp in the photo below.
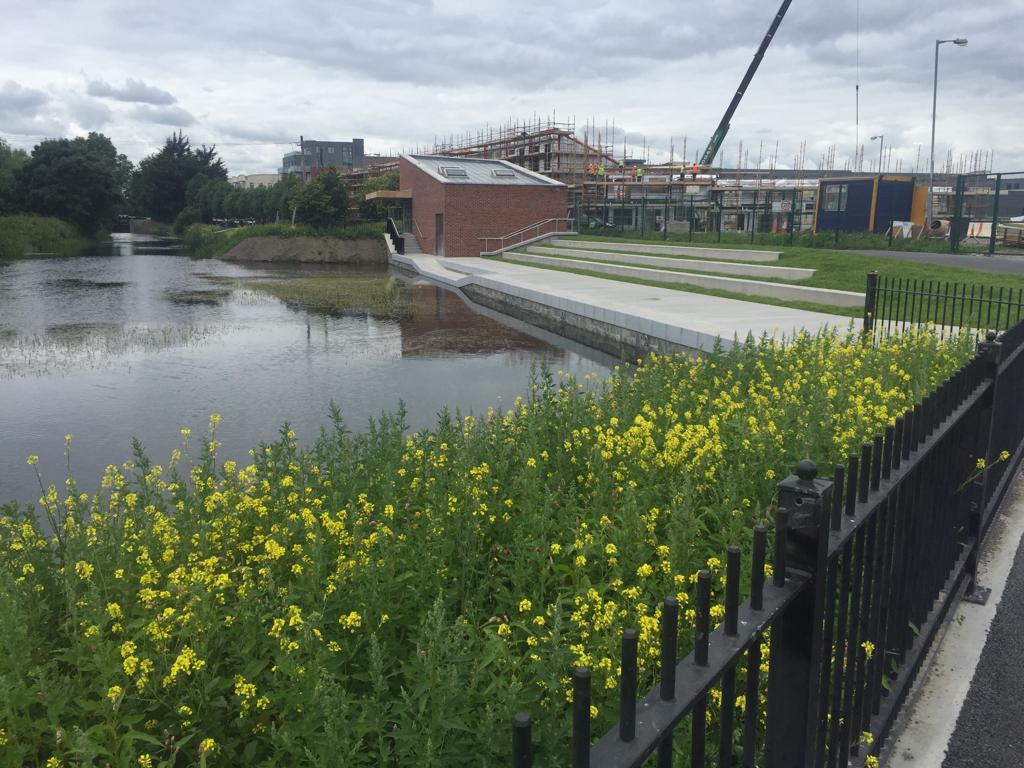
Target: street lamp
{"x": 881, "y": 144}
{"x": 961, "y": 42}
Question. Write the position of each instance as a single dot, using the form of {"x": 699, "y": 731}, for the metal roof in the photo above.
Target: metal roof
{"x": 472, "y": 170}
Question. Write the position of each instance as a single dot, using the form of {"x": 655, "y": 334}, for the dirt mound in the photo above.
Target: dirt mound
{"x": 310, "y": 250}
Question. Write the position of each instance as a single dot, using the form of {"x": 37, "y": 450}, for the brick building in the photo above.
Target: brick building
{"x": 457, "y": 201}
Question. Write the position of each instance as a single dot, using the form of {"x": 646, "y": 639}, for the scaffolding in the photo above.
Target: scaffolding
{"x": 541, "y": 145}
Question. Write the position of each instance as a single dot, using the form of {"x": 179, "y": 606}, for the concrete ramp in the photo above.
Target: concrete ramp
{"x": 782, "y": 291}
{"x": 623, "y": 319}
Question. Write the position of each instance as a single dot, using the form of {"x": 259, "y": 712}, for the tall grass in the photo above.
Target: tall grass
{"x": 205, "y": 241}
{"x": 23, "y": 235}
{"x": 387, "y": 599}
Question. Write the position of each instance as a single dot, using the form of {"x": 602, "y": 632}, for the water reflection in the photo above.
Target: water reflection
{"x": 136, "y": 340}
{"x": 443, "y": 324}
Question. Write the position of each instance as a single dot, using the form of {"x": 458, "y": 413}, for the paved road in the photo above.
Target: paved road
{"x": 1011, "y": 265}
{"x": 988, "y": 732}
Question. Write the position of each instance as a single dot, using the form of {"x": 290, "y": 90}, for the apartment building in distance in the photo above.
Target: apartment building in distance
{"x": 252, "y": 180}
{"x": 313, "y": 156}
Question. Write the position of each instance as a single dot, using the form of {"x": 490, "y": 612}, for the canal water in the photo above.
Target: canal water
{"x": 136, "y": 340}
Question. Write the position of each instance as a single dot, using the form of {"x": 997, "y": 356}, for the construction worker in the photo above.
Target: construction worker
{"x": 640, "y": 174}
{"x": 591, "y": 169}
{"x": 600, "y": 172}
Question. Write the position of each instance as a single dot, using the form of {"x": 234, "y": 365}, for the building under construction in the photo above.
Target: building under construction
{"x": 612, "y": 188}
{"x": 542, "y": 146}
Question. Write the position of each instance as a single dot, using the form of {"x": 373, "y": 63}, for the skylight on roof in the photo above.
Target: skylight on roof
{"x": 453, "y": 170}
{"x": 505, "y": 173}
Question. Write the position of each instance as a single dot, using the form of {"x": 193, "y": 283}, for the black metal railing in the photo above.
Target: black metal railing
{"x": 396, "y": 236}
{"x": 866, "y": 567}
{"x": 895, "y": 304}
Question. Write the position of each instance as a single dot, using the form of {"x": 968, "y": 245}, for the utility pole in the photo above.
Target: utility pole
{"x": 960, "y": 42}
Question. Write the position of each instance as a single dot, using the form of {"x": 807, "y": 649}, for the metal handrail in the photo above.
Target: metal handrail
{"x": 396, "y": 236}
{"x": 521, "y": 232}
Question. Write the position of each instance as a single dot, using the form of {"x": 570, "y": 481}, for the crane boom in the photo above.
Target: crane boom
{"x": 723, "y": 127}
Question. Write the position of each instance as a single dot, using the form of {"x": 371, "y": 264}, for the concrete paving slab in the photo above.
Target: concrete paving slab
{"x": 784, "y": 291}
{"x": 670, "y": 262}
{"x": 695, "y": 319}
{"x": 678, "y": 250}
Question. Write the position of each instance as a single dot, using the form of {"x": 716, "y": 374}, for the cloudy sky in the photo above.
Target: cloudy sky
{"x": 251, "y": 77}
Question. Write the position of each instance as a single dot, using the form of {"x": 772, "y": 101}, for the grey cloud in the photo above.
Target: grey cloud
{"x": 20, "y": 101}
{"x": 175, "y": 116}
{"x": 257, "y": 134}
{"x": 132, "y": 91}
{"x": 88, "y": 113}
{"x": 661, "y": 68}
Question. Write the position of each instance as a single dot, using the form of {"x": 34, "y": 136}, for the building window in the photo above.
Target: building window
{"x": 835, "y": 197}
{"x": 331, "y": 150}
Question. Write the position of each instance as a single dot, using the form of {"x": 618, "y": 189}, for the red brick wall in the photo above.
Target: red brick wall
{"x": 427, "y": 200}
{"x": 472, "y": 211}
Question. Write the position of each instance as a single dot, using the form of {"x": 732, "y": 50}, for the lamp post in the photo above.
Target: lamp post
{"x": 961, "y": 42}
{"x": 881, "y": 145}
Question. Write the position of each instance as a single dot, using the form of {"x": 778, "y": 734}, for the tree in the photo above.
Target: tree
{"x": 324, "y": 201}
{"x": 78, "y": 180}
{"x": 159, "y": 187}
{"x": 376, "y": 210}
{"x": 11, "y": 161}
{"x": 282, "y": 197}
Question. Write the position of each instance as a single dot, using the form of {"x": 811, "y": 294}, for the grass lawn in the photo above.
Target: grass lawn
{"x": 840, "y": 270}
{"x": 847, "y": 271}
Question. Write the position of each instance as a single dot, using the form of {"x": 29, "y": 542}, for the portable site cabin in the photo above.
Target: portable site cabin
{"x": 868, "y": 203}
{"x": 457, "y": 202}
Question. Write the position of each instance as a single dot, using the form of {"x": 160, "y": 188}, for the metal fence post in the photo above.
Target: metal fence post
{"x": 792, "y": 216}
{"x": 995, "y": 215}
{"x": 522, "y": 747}
{"x": 691, "y": 217}
{"x": 870, "y": 293}
{"x": 957, "y": 228}
{"x": 753, "y": 215}
{"x": 794, "y": 685}
{"x": 991, "y": 351}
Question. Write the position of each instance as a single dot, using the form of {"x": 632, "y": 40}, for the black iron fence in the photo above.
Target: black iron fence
{"x": 396, "y": 236}
{"x": 895, "y": 304}
{"x": 866, "y": 566}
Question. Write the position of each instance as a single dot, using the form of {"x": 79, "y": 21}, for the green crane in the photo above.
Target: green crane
{"x": 723, "y": 127}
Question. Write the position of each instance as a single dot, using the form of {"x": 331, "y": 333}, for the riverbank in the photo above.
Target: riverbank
{"x": 22, "y": 236}
{"x": 283, "y": 243}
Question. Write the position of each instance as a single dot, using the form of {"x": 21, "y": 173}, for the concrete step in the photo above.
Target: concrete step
{"x": 781, "y": 291}
{"x": 675, "y": 262}
{"x": 411, "y": 243}
{"x": 717, "y": 254}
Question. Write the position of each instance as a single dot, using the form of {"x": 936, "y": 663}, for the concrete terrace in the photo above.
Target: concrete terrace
{"x": 677, "y": 319}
